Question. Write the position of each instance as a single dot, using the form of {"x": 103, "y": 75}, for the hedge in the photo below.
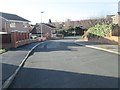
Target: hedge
{"x": 99, "y": 30}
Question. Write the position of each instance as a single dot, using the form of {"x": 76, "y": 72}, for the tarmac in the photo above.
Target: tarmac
{"x": 17, "y": 57}
{"x": 13, "y": 60}
{"x": 111, "y": 48}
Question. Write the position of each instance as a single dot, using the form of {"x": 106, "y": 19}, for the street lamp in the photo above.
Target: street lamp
{"x": 74, "y": 28}
{"x": 41, "y": 24}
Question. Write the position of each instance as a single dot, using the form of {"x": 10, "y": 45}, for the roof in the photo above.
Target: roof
{"x": 12, "y": 17}
{"x": 50, "y": 25}
{"x": 36, "y": 31}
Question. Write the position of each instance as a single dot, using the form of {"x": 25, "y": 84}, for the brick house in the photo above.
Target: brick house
{"x": 48, "y": 30}
{"x": 115, "y": 19}
{"x": 10, "y": 22}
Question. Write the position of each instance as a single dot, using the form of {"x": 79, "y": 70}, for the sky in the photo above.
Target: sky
{"x": 59, "y": 10}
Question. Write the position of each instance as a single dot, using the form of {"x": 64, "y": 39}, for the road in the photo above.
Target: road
{"x": 64, "y": 64}
{"x": 12, "y": 58}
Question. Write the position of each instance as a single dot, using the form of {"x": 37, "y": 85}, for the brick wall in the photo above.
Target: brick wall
{"x": 102, "y": 40}
{"x": 19, "y": 38}
{"x": 116, "y": 30}
{"x": 6, "y": 40}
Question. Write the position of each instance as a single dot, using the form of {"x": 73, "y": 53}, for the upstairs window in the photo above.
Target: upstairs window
{"x": 12, "y": 25}
{"x": 25, "y": 25}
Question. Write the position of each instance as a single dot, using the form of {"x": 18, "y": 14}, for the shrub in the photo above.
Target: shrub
{"x": 2, "y": 51}
{"x": 99, "y": 30}
{"x": 34, "y": 37}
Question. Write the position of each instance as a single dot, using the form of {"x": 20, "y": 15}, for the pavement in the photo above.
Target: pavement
{"x": 14, "y": 57}
{"x": 99, "y": 46}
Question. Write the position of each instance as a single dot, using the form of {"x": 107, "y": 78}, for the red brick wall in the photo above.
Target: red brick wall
{"x": 5, "y": 41}
{"x": 6, "y": 38}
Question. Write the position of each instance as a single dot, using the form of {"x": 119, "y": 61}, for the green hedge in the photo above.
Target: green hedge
{"x": 99, "y": 30}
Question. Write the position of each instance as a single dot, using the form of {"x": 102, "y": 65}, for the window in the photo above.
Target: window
{"x": 12, "y": 25}
{"x": 25, "y": 25}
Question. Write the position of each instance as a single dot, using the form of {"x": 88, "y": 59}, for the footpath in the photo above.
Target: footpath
{"x": 13, "y": 60}
{"x": 100, "y": 46}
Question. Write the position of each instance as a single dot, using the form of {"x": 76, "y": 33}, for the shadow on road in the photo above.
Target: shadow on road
{"x": 56, "y": 45}
{"x": 47, "y": 78}
{"x": 25, "y": 47}
{"x": 7, "y": 71}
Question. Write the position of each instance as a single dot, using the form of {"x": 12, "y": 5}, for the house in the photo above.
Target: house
{"x": 119, "y": 19}
{"x": 48, "y": 30}
{"x": 119, "y": 13}
{"x": 115, "y": 19}
{"x": 14, "y": 30}
{"x": 10, "y": 22}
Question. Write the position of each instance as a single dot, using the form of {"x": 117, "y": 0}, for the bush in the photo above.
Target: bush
{"x": 34, "y": 37}
{"x": 99, "y": 30}
{"x": 2, "y": 51}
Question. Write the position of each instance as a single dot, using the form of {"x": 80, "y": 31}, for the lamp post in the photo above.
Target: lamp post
{"x": 41, "y": 24}
{"x": 74, "y": 29}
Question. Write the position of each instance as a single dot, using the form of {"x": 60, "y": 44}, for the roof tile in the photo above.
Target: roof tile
{"x": 12, "y": 17}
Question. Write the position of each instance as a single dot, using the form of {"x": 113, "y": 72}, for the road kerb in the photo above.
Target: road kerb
{"x": 10, "y": 79}
{"x": 98, "y": 48}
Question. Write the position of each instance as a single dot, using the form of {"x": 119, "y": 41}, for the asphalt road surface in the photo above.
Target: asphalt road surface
{"x": 63, "y": 64}
{"x": 12, "y": 58}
